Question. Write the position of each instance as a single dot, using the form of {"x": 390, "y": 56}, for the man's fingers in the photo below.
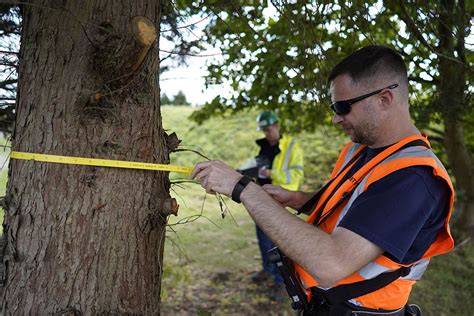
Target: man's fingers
{"x": 215, "y": 176}
{"x": 203, "y": 177}
{"x": 205, "y": 165}
{"x": 199, "y": 167}
{"x": 202, "y": 174}
{"x": 270, "y": 188}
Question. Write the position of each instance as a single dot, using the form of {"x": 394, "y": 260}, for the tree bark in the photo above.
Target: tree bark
{"x": 452, "y": 95}
{"x": 86, "y": 240}
{"x": 462, "y": 166}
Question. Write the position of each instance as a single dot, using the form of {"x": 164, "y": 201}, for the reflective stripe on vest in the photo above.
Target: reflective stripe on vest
{"x": 287, "y": 161}
{"x": 395, "y": 295}
{"x": 284, "y": 163}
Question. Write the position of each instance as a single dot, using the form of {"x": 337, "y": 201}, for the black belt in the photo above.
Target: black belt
{"x": 348, "y": 309}
{"x": 400, "y": 312}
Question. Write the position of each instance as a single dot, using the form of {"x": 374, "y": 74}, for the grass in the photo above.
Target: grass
{"x": 447, "y": 288}
{"x": 4, "y": 152}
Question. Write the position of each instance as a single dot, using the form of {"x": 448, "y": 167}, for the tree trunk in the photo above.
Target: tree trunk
{"x": 81, "y": 239}
{"x": 452, "y": 95}
{"x": 462, "y": 165}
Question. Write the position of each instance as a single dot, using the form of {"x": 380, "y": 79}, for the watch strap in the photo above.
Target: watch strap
{"x": 239, "y": 187}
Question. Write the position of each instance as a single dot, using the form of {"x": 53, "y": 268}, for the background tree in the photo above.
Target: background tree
{"x": 278, "y": 57}
{"x": 164, "y": 100}
{"x": 180, "y": 99}
{"x": 80, "y": 239}
{"x": 9, "y": 38}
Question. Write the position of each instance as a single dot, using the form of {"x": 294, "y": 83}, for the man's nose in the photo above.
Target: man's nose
{"x": 336, "y": 119}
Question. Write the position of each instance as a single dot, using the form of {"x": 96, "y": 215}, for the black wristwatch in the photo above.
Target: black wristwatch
{"x": 239, "y": 187}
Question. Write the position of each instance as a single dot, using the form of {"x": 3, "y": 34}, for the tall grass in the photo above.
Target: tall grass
{"x": 4, "y": 153}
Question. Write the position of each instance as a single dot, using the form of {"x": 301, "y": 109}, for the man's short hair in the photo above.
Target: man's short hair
{"x": 369, "y": 62}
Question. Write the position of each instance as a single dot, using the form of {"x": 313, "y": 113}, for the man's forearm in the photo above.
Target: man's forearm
{"x": 303, "y": 243}
{"x": 326, "y": 257}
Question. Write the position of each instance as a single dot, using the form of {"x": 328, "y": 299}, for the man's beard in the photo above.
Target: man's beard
{"x": 364, "y": 134}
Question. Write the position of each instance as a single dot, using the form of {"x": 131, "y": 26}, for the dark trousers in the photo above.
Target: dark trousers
{"x": 265, "y": 244}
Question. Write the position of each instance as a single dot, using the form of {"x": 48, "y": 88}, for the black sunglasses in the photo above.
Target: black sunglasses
{"x": 344, "y": 107}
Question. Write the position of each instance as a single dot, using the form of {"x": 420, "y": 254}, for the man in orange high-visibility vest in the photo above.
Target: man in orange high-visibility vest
{"x": 384, "y": 212}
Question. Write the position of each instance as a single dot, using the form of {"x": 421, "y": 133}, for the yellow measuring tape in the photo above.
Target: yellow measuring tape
{"x": 100, "y": 162}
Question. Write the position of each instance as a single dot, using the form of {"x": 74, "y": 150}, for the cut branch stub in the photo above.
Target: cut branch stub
{"x": 170, "y": 206}
{"x": 172, "y": 141}
{"x": 144, "y": 32}
{"x": 118, "y": 54}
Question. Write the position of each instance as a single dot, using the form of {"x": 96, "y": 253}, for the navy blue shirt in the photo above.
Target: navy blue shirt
{"x": 401, "y": 213}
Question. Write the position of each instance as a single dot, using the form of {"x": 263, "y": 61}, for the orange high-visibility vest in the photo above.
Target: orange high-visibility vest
{"x": 395, "y": 295}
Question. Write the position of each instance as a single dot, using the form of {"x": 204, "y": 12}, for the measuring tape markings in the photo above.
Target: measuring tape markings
{"x": 99, "y": 162}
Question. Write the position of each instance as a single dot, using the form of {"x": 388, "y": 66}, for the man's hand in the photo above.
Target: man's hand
{"x": 216, "y": 176}
{"x": 293, "y": 199}
{"x": 264, "y": 173}
{"x": 282, "y": 196}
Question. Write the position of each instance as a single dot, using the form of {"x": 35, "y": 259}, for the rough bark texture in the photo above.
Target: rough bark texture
{"x": 452, "y": 96}
{"x": 462, "y": 165}
{"x": 80, "y": 239}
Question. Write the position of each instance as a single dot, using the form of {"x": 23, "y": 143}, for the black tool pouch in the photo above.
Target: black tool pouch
{"x": 297, "y": 295}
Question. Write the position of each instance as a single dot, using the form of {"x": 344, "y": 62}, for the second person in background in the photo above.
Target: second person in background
{"x": 279, "y": 162}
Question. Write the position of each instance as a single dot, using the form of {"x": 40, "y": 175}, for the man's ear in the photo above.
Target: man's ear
{"x": 386, "y": 99}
